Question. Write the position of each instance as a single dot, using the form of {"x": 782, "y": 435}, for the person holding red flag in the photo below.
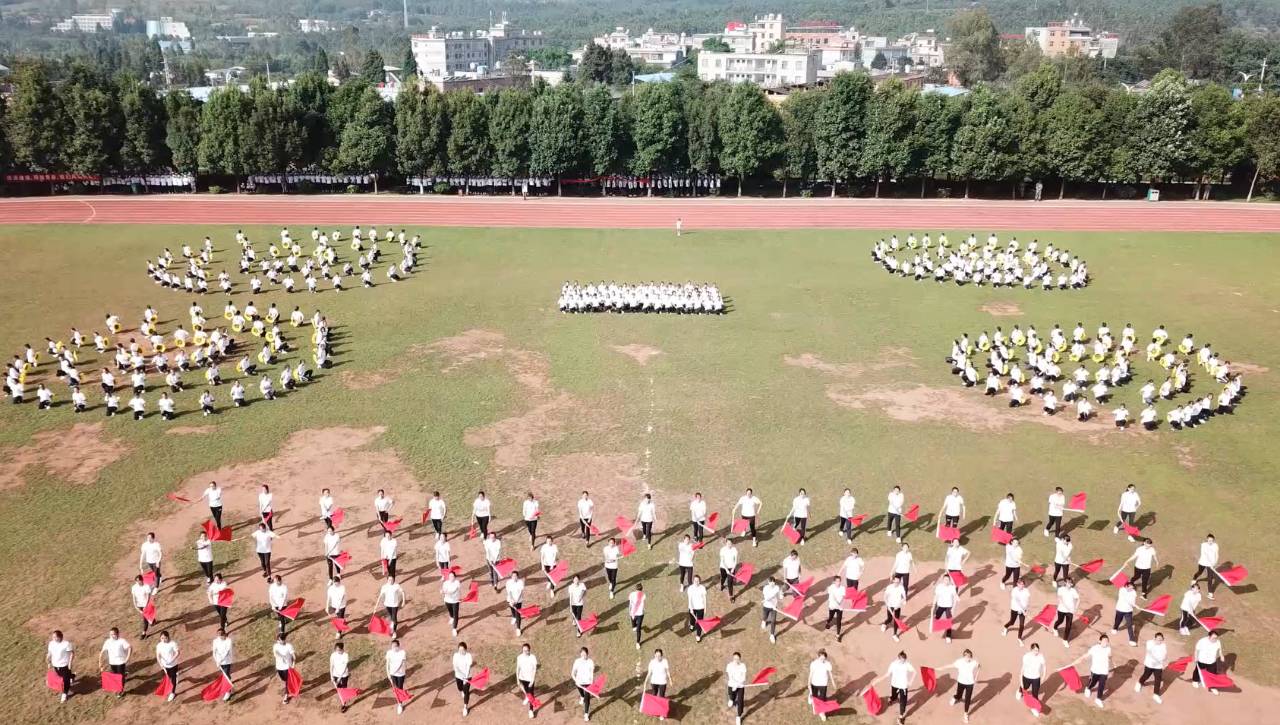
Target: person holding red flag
{"x": 266, "y": 511}
{"x": 462, "y": 664}
{"x": 895, "y": 598}
{"x": 285, "y": 657}
{"x": 548, "y": 557}
{"x": 901, "y": 675}
{"x": 799, "y": 514}
{"x": 204, "y": 556}
{"x": 515, "y": 599}
{"x": 611, "y": 553}
{"x": 658, "y": 674}
{"x": 1068, "y": 602}
{"x": 966, "y": 677}
{"x": 1153, "y": 664}
{"x": 748, "y": 506}
{"x": 1190, "y": 602}
{"x": 1099, "y": 656}
{"x": 893, "y": 518}
{"x": 492, "y": 555}
{"x": 1207, "y": 563}
{"x": 952, "y": 508}
{"x": 1019, "y": 601}
{"x": 770, "y": 596}
{"x": 213, "y": 593}
{"x": 583, "y": 672}
{"x": 382, "y": 504}
{"x": 327, "y": 508}
{"x": 141, "y": 594}
{"x": 526, "y": 670}
{"x": 1126, "y": 599}
{"x": 945, "y": 599}
{"x": 451, "y": 593}
{"x": 835, "y": 606}
{"x": 277, "y": 600}
{"x": 223, "y": 657}
{"x": 391, "y": 595}
{"x": 1012, "y": 564}
{"x": 646, "y": 515}
{"x": 167, "y": 653}
{"x": 117, "y": 651}
{"x": 435, "y": 511}
{"x": 1057, "y": 506}
{"x": 955, "y": 557}
{"x": 1127, "y": 510}
{"x": 698, "y": 516}
{"x": 213, "y": 497}
{"x": 577, "y": 593}
{"x": 150, "y": 555}
{"x": 586, "y": 512}
{"x": 60, "y": 654}
{"x": 332, "y": 547}
{"x": 482, "y": 510}
{"x": 820, "y": 674}
{"x": 845, "y": 513}
{"x": 697, "y": 605}
{"x": 635, "y": 610}
{"x": 735, "y": 675}
{"x": 1006, "y": 513}
{"x": 1144, "y": 560}
{"x": 1208, "y": 655}
{"x": 1062, "y": 548}
{"x": 396, "y": 660}
{"x": 852, "y": 567}
{"x": 790, "y": 567}
{"x": 903, "y": 564}
{"x": 728, "y": 560}
{"x": 1033, "y": 673}
{"x": 340, "y": 668}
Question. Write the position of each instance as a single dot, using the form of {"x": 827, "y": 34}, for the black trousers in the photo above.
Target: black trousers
{"x": 392, "y": 614}
{"x": 216, "y": 511}
{"x": 1210, "y": 668}
{"x": 584, "y": 529}
{"x": 586, "y": 699}
{"x": 264, "y": 561}
{"x": 965, "y": 694}
{"x": 1097, "y": 683}
{"x": 699, "y": 530}
{"x": 207, "y": 568}
{"x": 837, "y": 616}
{"x": 727, "y": 581}
{"x": 770, "y": 618}
{"x": 891, "y": 617}
{"x": 899, "y": 695}
{"x": 1032, "y": 685}
{"x": 1065, "y": 620}
{"x": 1211, "y": 576}
{"x": 612, "y": 576}
{"x": 694, "y": 616}
{"x": 1054, "y": 524}
{"x": 906, "y": 581}
{"x": 397, "y": 681}
{"x": 532, "y": 527}
{"x": 818, "y": 691}
{"x": 893, "y": 522}
{"x": 801, "y": 526}
{"x": 1005, "y": 526}
{"x": 331, "y": 566}
{"x": 751, "y": 527}
{"x": 453, "y": 609}
{"x": 738, "y": 698}
{"x": 1011, "y": 575}
{"x": 515, "y": 613}
{"x": 846, "y": 528}
{"x": 1125, "y": 618}
{"x": 437, "y": 525}
{"x": 1126, "y": 517}
{"x": 67, "y": 678}
{"x": 1148, "y": 673}
{"x": 1144, "y": 576}
{"x": 526, "y": 688}
{"x": 686, "y": 575}
{"x": 391, "y": 567}
{"x": 659, "y": 690}
{"x": 482, "y": 523}
{"x": 222, "y": 616}
{"x": 943, "y": 613}
{"x": 637, "y": 623}
{"x": 646, "y": 530}
{"x": 1061, "y": 571}
{"x": 1020, "y": 618}
{"x": 119, "y": 670}
{"x": 1187, "y": 621}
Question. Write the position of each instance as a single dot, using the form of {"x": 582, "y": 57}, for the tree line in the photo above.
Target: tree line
{"x": 851, "y": 134}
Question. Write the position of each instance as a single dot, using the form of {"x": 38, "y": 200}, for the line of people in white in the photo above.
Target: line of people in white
{"x": 684, "y": 298}
{"x": 844, "y": 593}
{"x": 1009, "y": 266}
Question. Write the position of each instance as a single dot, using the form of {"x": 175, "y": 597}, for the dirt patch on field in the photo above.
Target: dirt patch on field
{"x": 76, "y": 455}
{"x": 1250, "y": 368}
{"x": 530, "y": 369}
{"x": 513, "y": 439}
{"x": 1001, "y": 309}
{"x": 1184, "y": 456}
{"x": 190, "y": 430}
{"x": 640, "y": 353}
{"x": 809, "y": 361}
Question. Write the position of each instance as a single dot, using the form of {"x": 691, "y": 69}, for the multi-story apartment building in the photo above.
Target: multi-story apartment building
{"x": 88, "y": 23}
{"x": 443, "y": 54}
{"x": 1072, "y": 37}
{"x": 767, "y": 70}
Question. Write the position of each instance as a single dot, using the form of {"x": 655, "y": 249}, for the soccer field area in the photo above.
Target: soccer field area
{"x": 827, "y": 372}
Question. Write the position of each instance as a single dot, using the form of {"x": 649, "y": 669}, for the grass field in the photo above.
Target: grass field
{"x": 793, "y": 388}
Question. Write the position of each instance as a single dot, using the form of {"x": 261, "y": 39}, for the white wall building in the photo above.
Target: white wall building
{"x": 312, "y": 25}
{"x": 767, "y": 70}
{"x": 88, "y": 23}
{"x": 924, "y": 48}
{"x": 168, "y": 28}
{"x": 662, "y": 49}
{"x": 440, "y": 54}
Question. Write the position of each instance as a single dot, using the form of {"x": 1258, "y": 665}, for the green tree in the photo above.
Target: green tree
{"x": 603, "y": 132}
{"x": 703, "y": 103}
{"x": 94, "y": 125}
{"x": 937, "y": 119}
{"x": 985, "y": 145}
{"x": 469, "y": 150}
{"x": 509, "y": 132}
{"x": 6, "y": 157}
{"x": 716, "y": 45}
{"x": 1192, "y": 40}
{"x": 1118, "y": 109}
{"x": 1033, "y": 95}
{"x": 320, "y": 62}
{"x": 1262, "y": 129}
{"x": 892, "y": 147}
{"x": 339, "y": 110}
{"x": 1161, "y": 126}
{"x": 975, "y": 46}
{"x": 879, "y": 62}
{"x": 367, "y": 145}
{"x": 142, "y": 137}
{"x": 595, "y": 64}
{"x": 36, "y": 125}
{"x": 274, "y": 135}
{"x": 658, "y": 132}
{"x": 408, "y": 66}
{"x": 841, "y": 131}
{"x": 1074, "y": 140}
{"x": 372, "y": 68}
{"x": 556, "y": 133}
{"x": 551, "y": 58}
{"x": 799, "y": 150}
{"x": 411, "y": 131}
{"x": 223, "y": 148}
{"x": 1217, "y": 139}
{"x": 750, "y": 132}
{"x": 308, "y": 98}
{"x": 182, "y": 131}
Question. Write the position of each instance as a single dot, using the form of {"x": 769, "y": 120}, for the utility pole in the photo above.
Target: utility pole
{"x": 1262, "y": 77}
{"x": 406, "y": 14}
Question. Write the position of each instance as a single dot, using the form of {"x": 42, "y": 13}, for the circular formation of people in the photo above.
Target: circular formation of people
{"x": 690, "y": 298}
{"x": 150, "y": 358}
{"x": 1021, "y": 365}
{"x": 1052, "y": 602}
{"x": 1009, "y": 267}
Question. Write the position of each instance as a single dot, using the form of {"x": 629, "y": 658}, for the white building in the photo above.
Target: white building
{"x": 767, "y": 70}
{"x": 88, "y": 23}
{"x": 311, "y": 25}
{"x": 924, "y": 48}
{"x": 440, "y": 54}
{"x": 1072, "y": 37}
{"x": 168, "y": 28}
{"x": 661, "y": 49}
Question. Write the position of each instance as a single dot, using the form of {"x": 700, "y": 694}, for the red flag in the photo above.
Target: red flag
{"x": 266, "y": 516}
{"x": 455, "y": 570}
{"x": 1180, "y": 664}
{"x": 713, "y": 519}
{"x": 347, "y": 694}
{"x": 336, "y": 518}
{"x": 1215, "y": 682}
{"x": 1091, "y": 567}
{"x": 532, "y": 610}
{"x": 948, "y": 533}
{"x": 1037, "y": 568}
{"x": 393, "y": 524}
{"x": 654, "y": 706}
{"x": 597, "y": 686}
{"x": 53, "y": 680}
{"x": 822, "y": 707}
{"x": 1160, "y": 606}
{"x": 149, "y": 611}
{"x": 588, "y": 622}
{"x": 402, "y": 696}
{"x": 626, "y": 548}
{"x": 762, "y": 677}
{"x": 342, "y": 559}
{"x": 179, "y": 499}
{"x": 1077, "y": 502}
{"x": 1000, "y": 536}
{"x": 942, "y": 624}
{"x": 558, "y": 572}
{"x": 292, "y": 609}
{"x": 340, "y": 625}
{"x": 929, "y": 677}
{"x": 165, "y": 688}
{"x": 913, "y": 513}
{"x": 222, "y": 534}
{"x": 1046, "y": 616}
{"x": 624, "y": 524}
{"x": 739, "y": 526}
{"x": 1131, "y": 530}
{"x": 226, "y": 598}
{"x": 537, "y": 514}
{"x": 534, "y": 702}
{"x": 504, "y": 567}
{"x": 426, "y": 514}
{"x": 473, "y": 531}
{"x": 113, "y": 682}
{"x": 794, "y": 608}
{"x": 872, "y": 699}
{"x": 149, "y": 578}
{"x": 481, "y": 680}
{"x": 802, "y": 587}
{"x": 216, "y": 689}
{"x": 743, "y": 574}
{"x": 595, "y": 531}
{"x": 790, "y": 532}
{"x": 1119, "y": 579}
{"x": 708, "y": 624}
{"x": 857, "y": 600}
{"x": 378, "y": 625}
{"x": 901, "y": 624}
{"x": 1211, "y": 623}
{"x": 473, "y": 594}
{"x": 1234, "y": 575}
{"x": 857, "y": 519}
{"x": 1072, "y": 678}
{"x": 958, "y": 578}
{"x": 292, "y": 683}
{"x": 1030, "y": 701}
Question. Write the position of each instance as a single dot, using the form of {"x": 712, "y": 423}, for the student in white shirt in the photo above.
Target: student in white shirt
{"x": 391, "y": 595}
{"x": 966, "y": 677}
{"x": 1006, "y": 513}
{"x": 382, "y": 504}
{"x": 116, "y": 651}
{"x": 60, "y": 655}
{"x": 893, "y": 518}
{"x": 332, "y": 543}
{"x": 263, "y": 538}
{"x": 1207, "y": 563}
{"x": 1144, "y": 559}
{"x": 1099, "y": 656}
{"x": 396, "y": 658}
{"x": 1153, "y": 664}
{"x": 223, "y": 657}
{"x": 451, "y": 594}
{"x": 167, "y": 660}
{"x": 770, "y": 597}
{"x": 141, "y": 593}
{"x": 953, "y": 508}
{"x": 835, "y": 606}
{"x": 903, "y": 564}
{"x": 748, "y": 506}
{"x": 586, "y": 512}
{"x": 658, "y": 674}
{"x": 150, "y": 555}
{"x": 698, "y": 516}
{"x": 684, "y": 561}
{"x": 1126, "y": 598}
{"x": 1033, "y": 672}
{"x": 583, "y": 673}
{"x": 895, "y": 597}
{"x": 820, "y": 675}
{"x": 1057, "y": 505}
{"x": 635, "y": 611}
{"x": 278, "y": 599}
{"x": 845, "y": 513}
{"x": 1068, "y": 602}
{"x": 1190, "y": 602}
{"x": 945, "y": 599}
{"x": 335, "y": 600}
{"x": 327, "y": 508}
{"x": 901, "y": 675}
{"x": 548, "y": 557}
{"x": 435, "y": 511}
{"x": 1019, "y": 600}
{"x": 646, "y": 514}
{"x": 462, "y": 664}
{"x": 265, "y": 507}
{"x": 799, "y": 514}
{"x": 1208, "y": 654}
{"x": 1012, "y": 563}
{"x": 1127, "y": 511}
{"x": 514, "y": 593}
{"x": 526, "y": 671}
{"x": 735, "y": 675}
{"x": 851, "y": 569}
{"x": 482, "y": 510}
{"x": 284, "y": 655}
{"x": 340, "y": 668}
{"x": 530, "y": 510}
{"x": 492, "y": 546}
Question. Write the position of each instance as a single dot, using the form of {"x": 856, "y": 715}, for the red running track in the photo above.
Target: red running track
{"x": 641, "y": 213}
